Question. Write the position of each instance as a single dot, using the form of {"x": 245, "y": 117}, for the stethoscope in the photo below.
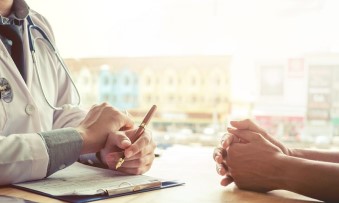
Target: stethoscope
{"x": 6, "y": 94}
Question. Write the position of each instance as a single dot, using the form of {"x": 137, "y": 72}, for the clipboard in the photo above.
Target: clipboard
{"x": 80, "y": 183}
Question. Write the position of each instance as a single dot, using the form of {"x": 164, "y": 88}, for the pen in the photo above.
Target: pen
{"x": 139, "y": 132}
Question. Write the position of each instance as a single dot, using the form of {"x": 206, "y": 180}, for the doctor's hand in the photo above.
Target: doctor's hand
{"x": 100, "y": 122}
{"x": 139, "y": 155}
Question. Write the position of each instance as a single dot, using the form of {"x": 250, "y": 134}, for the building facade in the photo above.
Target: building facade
{"x": 297, "y": 98}
{"x": 190, "y": 91}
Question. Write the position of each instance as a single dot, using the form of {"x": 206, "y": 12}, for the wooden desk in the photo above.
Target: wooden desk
{"x": 194, "y": 166}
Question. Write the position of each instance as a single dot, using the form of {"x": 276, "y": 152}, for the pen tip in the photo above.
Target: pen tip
{"x": 119, "y": 163}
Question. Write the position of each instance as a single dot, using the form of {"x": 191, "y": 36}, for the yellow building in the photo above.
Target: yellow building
{"x": 190, "y": 91}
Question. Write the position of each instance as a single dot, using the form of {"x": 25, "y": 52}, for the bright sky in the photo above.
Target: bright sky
{"x": 172, "y": 27}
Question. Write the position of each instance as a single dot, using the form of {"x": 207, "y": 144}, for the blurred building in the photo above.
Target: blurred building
{"x": 298, "y": 98}
{"x": 190, "y": 91}
{"x": 120, "y": 89}
{"x": 86, "y": 80}
{"x": 295, "y": 99}
{"x": 280, "y": 104}
{"x": 323, "y": 97}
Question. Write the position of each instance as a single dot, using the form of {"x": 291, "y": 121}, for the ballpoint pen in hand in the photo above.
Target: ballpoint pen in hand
{"x": 139, "y": 132}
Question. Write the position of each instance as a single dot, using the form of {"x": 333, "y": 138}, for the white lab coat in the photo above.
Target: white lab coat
{"x": 23, "y": 154}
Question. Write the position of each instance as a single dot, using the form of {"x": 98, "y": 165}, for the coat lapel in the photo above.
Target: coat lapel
{"x": 27, "y": 57}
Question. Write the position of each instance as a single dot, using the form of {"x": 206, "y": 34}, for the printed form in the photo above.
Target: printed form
{"x": 80, "y": 179}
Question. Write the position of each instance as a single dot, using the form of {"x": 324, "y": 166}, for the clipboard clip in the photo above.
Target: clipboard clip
{"x": 126, "y": 187}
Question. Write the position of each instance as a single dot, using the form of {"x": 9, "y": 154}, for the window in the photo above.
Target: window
{"x": 284, "y": 76}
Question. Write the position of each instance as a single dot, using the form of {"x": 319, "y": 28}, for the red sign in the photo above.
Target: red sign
{"x": 296, "y": 67}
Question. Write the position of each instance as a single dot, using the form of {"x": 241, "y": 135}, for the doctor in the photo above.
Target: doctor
{"x": 40, "y": 131}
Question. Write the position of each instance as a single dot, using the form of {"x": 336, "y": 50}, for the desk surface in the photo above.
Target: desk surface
{"x": 194, "y": 166}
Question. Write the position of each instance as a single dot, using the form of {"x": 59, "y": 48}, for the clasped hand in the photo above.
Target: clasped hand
{"x": 107, "y": 130}
{"x": 249, "y": 157}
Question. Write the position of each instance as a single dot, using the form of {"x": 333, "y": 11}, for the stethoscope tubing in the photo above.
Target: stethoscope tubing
{"x": 30, "y": 27}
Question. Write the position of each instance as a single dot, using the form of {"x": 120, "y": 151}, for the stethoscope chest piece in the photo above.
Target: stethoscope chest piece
{"x": 6, "y": 93}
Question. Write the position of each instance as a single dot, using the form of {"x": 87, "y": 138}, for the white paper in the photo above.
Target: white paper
{"x": 80, "y": 179}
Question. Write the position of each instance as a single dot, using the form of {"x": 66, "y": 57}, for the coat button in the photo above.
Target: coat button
{"x": 29, "y": 109}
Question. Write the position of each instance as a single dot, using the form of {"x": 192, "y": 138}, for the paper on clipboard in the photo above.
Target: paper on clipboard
{"x": 80, "y": 179}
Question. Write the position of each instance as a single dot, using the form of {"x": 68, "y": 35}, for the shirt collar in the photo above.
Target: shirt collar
{"x": 18, "y": 13}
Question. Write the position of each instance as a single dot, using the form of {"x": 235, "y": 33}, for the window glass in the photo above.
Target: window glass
{"x": 207, "y": 62}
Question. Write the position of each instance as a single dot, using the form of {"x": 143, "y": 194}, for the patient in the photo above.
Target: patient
{"x": 255, "y": 160}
